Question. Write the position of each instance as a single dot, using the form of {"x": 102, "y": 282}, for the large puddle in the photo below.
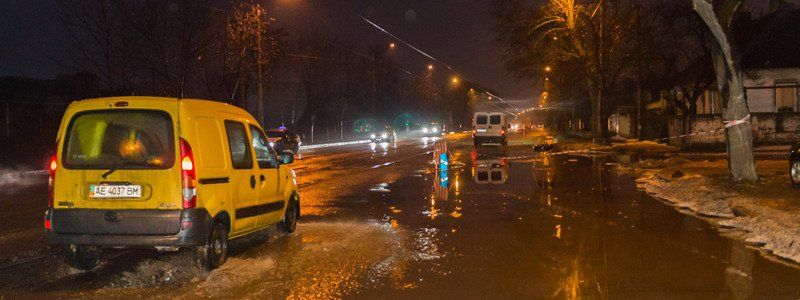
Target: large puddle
{"x": 500, "y": 223}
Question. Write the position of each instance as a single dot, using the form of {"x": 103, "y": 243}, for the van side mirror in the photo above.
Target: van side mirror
{"x": 287, "y": 157}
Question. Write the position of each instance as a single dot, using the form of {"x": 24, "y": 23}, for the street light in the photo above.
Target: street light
{"x": 392, "y": 45}
{"x": 430, "y": 67}
{"x": 547, "y": 69}
{"x": 455, "y": 80}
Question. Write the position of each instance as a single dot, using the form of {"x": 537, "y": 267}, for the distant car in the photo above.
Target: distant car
{"x": 284, "y": 140}
{"x": 432, "y": 130}
{"x": 387, "y": 135}
{"x": 794, "y": 164}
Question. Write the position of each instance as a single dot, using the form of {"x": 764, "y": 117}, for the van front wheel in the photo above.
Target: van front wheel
{"x": 85, "y": 257}
{"x": 214, "y": 252}
{"x": 289, "y": 223}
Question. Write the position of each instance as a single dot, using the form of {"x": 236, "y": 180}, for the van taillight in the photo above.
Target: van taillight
{"x": 52, "y": 167}
{"x": 188, "y": 176}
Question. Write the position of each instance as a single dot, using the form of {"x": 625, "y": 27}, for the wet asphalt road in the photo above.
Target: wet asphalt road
{"x": 380, "y": 222}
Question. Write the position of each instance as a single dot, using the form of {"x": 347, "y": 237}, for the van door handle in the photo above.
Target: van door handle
{"x": 252, "y": 181}
{"x": 262, "y": 178}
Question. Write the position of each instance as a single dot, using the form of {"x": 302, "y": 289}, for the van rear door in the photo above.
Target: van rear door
{"x": 120, "y": 158}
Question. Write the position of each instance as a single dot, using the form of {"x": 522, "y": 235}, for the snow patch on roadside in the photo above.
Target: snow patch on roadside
{"x": 14, "y": 179}
{"x": 317, "y": 146}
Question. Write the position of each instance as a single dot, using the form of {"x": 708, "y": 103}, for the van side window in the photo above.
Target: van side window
{"x": 494, "y": 119}
{"x": 241, "y": 157}
{"x": 480, "y": 119}
{"x": 264, "y": 155}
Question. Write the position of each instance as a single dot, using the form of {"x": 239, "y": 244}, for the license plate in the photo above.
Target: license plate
{"x": 481, "y": 130}
{"x": 115, "y": 191}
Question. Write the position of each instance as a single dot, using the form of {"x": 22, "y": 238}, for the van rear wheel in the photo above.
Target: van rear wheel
{"x": 85, "y": 257}
{"x": 214, "y": 252}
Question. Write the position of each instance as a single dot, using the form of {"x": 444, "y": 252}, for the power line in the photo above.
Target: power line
{"x": 423, "y": 53}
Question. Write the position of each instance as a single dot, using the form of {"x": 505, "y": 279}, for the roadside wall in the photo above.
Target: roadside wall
{"x": 768, "y": 129}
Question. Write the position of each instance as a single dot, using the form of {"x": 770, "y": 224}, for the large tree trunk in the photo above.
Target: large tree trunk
{"x": 738, "y": 134}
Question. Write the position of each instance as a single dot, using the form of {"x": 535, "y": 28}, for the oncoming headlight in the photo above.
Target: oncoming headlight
{"x": 272, "y": 144}
{"x": 372, "y": 136}
{"x": 425, "y": 130}
{"x": 435, "y": 129}
{"x": 384, "y": 135}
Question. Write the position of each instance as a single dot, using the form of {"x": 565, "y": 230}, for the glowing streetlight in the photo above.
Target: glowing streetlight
{"x": 392, "y": 45}
{"x": 547, "y": 69}
{"x": 430, "y": 67}
{"x": 455, "y": 80}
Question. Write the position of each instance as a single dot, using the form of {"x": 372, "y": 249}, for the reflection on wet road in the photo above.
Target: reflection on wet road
{"x": 506, "y": 223}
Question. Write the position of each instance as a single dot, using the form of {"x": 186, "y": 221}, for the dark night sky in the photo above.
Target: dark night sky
{"x": 458, "y": 32}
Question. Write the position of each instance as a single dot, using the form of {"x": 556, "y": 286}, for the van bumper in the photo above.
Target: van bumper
{"x": 490, "y": 138}
{"x": 130, "y": 228}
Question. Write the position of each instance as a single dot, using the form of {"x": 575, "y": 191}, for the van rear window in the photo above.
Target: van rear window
{"x": 494, "y": 119}
{"x": 123, "y": 139}
{"x": 481, "y": 119}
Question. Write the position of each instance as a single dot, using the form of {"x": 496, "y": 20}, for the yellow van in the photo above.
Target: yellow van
{"x": 165, "y": 173}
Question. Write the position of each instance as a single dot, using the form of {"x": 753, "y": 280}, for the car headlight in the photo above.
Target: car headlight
{"x": 425, "y": 130}
{"x": 372, "y": 136}
{"x": 272, "y": 144}
{"x": 384, "y": 135}
{"x": 435, "y": 129}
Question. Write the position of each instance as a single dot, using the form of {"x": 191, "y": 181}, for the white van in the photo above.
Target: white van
{"x": 490, "y": 127}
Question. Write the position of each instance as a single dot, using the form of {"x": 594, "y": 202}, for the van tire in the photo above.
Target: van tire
{"x": 477, "y": 144}
{"x": 85, "y": 257}
{"x": 214, "y": 252}
{"x": 289, "y": 222}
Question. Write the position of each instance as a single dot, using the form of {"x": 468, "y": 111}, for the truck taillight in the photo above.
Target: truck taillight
{"x": 51, "y": 168}
{"x": 188, "y": 176}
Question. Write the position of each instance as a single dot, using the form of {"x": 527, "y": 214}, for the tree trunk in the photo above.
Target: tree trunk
{"x": 638, "y": 111}
{"x": 738, "y": 134}
{"x": 596, "y": 96}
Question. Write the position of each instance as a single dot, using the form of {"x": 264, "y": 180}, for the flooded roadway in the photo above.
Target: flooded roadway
{"x": 380, "y": 222}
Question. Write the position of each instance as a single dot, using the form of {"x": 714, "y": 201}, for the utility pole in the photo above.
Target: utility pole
{"x": 260, "y": 81}
{"x": 374, "y": 78}
{"x": 8, "y": 121}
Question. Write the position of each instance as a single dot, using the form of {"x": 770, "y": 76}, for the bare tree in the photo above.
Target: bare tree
{"x": 104, "y": 41}
{"x": 588, "y": 35}
{"x": 251, "y": 34}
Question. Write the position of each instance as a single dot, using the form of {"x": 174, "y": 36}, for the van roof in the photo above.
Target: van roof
{"x": 94, "y": 102}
